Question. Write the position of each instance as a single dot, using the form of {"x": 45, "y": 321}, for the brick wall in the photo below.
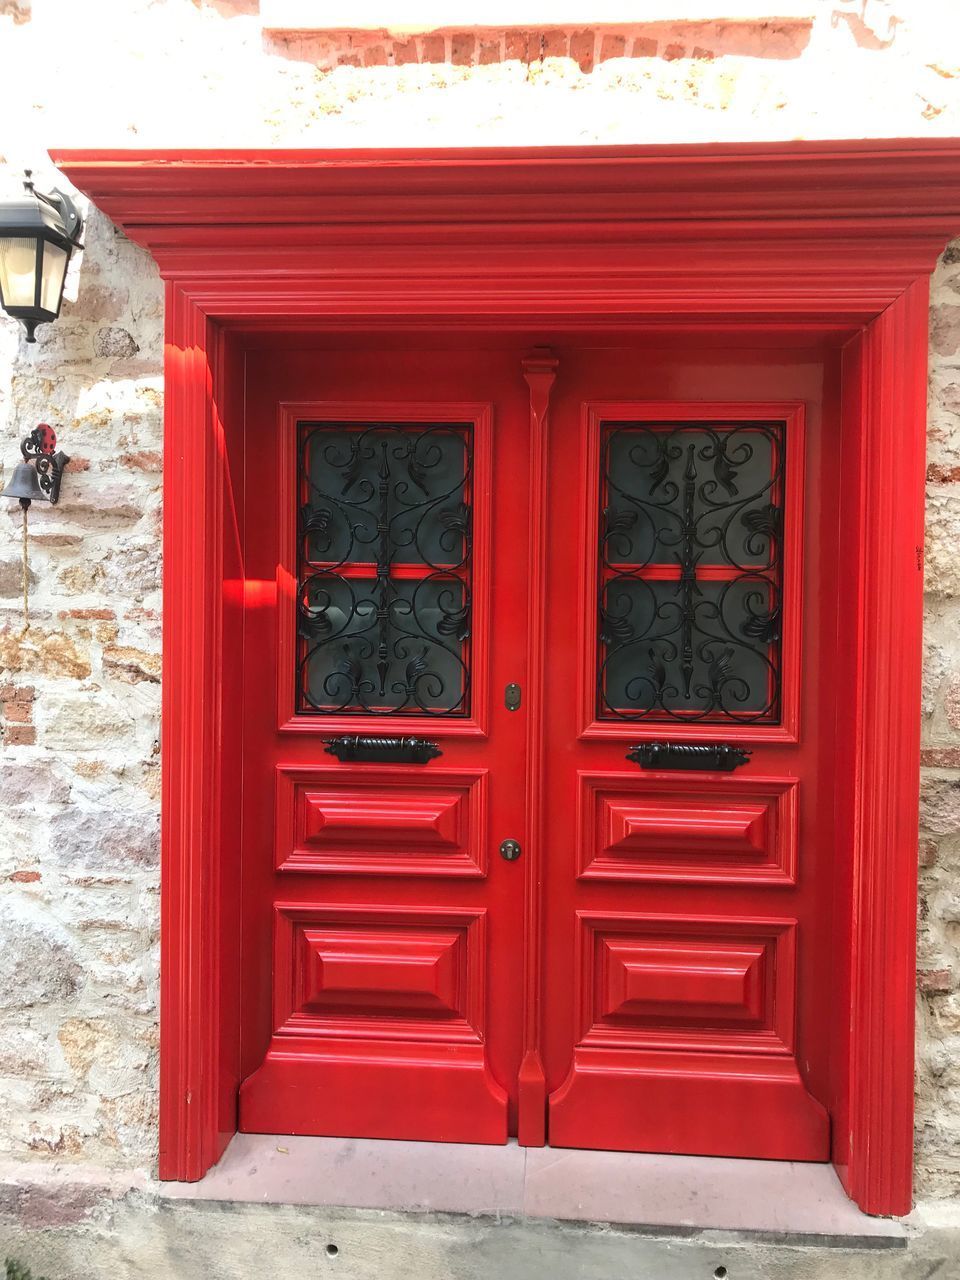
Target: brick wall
{"x": 79, "y": 692}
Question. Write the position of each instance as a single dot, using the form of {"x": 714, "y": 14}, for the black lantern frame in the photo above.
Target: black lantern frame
{"x": 52, "y": 222}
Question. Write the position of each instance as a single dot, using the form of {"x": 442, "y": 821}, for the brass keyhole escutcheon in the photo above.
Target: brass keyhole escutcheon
{"x": 510, "y": 850}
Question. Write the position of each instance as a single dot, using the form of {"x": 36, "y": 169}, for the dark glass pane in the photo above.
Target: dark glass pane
{"x": 733, "y": 473}
{"x": 721, "y": 667}
{"x": 384, "y": 604}
{"x": 411, "y": 477}
{"x": 690, "y": 566}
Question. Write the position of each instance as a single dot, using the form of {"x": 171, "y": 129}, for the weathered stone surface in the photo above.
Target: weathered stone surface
{"x": 39, "y": 962}
{"x": 31, "y": 784}
{"x": 81, "y": 722}
{"x": 11, "y": 577}
{"x": 940, "y": 804}
{"x": 106, "y": 841}
{"x": 132, "y": 665}
{"x": 114, "y": 342}
{"x": 941, "y": 562}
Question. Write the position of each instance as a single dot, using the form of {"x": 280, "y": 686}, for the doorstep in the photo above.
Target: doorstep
{"x": 779, "y": 1197}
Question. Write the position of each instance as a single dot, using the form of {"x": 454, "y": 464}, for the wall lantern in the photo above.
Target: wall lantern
{"x": 37, "y": 476}
{"x": 38, "y": 234}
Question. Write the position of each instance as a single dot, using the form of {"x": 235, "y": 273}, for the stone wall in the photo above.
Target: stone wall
{"x": 79, "y": 690}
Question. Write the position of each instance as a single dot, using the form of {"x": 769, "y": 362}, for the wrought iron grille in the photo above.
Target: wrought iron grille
{"x": 691, "y": 571}
{"x": 384, "y": 549}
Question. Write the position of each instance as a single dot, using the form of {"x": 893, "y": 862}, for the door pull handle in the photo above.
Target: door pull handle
{"x": 510, "y": 850}
{"x": 388, "y": 749}
{"x": 718, "y": 757}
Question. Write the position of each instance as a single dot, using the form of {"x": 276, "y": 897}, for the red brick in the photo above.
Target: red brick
{"x": 553, "y": 44}
{"x": 25, "y": 877}
{"x": 489, "y": 52}
{"x": 940, "y": 757}
{"x": 927, "y": 850}
{"x": 375, "y": 56}
{"x": 20, "y": 735}
{"x": 348, "y": 60}
{"x": 939, "y": 474}
{"x": 10, "y": 692}
{"x": 99, "y": 615}
{"x": 673, "y": 51}
{"x": 703, "y": 55}
{"x": 935, "y": 981}
{"x": 433, "y": 49}
{"x": 644, "y": 47}
{"x": 462, "y": 47}
{"x": 613, "y": 47}
{"x": 149, "y": 459}
{"x": 404, "y": 52}
{"x": 582, "y": 49}
{"x": 516, "y": 46}
{"x": 17, "y": 712}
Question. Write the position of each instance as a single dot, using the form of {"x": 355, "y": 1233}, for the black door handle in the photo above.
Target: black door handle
{"x": 718, "y": 757}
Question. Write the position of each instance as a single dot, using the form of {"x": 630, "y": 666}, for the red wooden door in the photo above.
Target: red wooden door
{"x": 385, "y": 600}
{"x": 687, "y": 930}
{"x": 685, "y": 952}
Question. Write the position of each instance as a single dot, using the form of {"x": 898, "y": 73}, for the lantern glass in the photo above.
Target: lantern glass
{"x": 54, "y": 270}
{"x": 18, "y": 270}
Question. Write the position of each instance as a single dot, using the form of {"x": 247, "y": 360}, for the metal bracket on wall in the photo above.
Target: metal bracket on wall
{"x": 384, "y": 750}
{"x": 718, "y": 757}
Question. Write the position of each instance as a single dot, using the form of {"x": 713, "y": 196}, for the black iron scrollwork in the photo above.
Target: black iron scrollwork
{"x": 718, "y": 757}
{"x": 691, "y": 554}
{"x": 383, "y": 750}
{"x": 40, "y": 447}
{"x": 384, "y": 608}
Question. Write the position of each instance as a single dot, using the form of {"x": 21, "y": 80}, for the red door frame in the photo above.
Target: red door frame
{"x": 830, "y": 241}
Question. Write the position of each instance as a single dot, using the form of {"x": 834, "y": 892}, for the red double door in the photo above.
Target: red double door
{"x": 537, "y": 812}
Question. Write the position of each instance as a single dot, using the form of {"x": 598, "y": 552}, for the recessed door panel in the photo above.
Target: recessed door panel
{"x": 374, "y": 821}
{"x": 721, "y": 830}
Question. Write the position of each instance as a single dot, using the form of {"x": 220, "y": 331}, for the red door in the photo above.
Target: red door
{"x": 382, "y": 929}
{"x": 683, "y": 880}
{"x": 687, "y": 941}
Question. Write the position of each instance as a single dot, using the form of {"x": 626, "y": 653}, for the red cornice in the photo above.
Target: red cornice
{"x": 832, "y": 229}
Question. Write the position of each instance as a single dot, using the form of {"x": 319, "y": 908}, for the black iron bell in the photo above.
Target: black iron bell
{"x": 24, "y": 484}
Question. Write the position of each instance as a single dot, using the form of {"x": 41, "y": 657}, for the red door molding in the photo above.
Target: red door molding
{"x": 831, "y": 241}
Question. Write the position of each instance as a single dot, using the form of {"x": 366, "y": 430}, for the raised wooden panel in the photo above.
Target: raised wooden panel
{"x": 687, "y": 983}
{"x": 716, "y": 830}
{"x": 697, "y": 982}
{"x": 377, "y": 972}
{"x": 384, "y": 971}
{"x": 381, "y": 821}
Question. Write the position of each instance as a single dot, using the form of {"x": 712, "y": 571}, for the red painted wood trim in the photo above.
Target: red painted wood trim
{"x": 540, "y": 372}
{"x": 893, "y": 381}
{"x": 824, "y": 231}
{"x": 877, "y": 179}
{"x": 190, "y": 865}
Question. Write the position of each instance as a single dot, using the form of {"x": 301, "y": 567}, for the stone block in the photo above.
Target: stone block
{"x": 105, "y": 840}
{"x": 39, "y": 961}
